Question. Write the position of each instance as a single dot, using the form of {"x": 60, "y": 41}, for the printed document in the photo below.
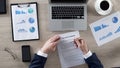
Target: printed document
{"x": 106, "y": 29}
{"x": 69, "y": 54}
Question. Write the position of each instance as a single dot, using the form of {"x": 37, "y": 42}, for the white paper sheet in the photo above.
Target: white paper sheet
{"x": 106, "y": 29}
{"x": 69, "y": 54}
{"x": 24, "y": 22}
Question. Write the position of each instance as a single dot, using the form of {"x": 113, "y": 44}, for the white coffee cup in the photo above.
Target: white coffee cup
{"x": 103, "y": 7}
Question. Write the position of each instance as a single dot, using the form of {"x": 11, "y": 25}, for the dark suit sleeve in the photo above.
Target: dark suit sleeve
{"x": 38, "y": 62}
{"x": 93, "y": 62}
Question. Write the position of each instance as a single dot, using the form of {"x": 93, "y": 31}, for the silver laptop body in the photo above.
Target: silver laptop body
{"x": 62, "y": 21}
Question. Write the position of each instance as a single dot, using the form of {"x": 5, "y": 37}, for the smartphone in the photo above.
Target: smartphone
{"x": 26, "y": 54}
{"x": 3, "y": 6}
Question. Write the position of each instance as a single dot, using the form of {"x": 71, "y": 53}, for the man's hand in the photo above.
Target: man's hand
{"x": 50, "y": 45}
{"x": 80, "y": 43}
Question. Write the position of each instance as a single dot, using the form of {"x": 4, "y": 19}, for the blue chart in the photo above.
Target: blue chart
{"x": 30, "y": 10}
{"x": 25, "y": 21}
{"x": 31, "y": 20}
{"x": 18, "y": 12}
{"x": 118, "y": 30}
{"x": 32, "y": 29}
{"x": 21, "y": 22}
{"x": 105, "y": 36}
{"x": 106, "y": 29}
{"x": 115, "y": 20}
{"x": 22, "y": 31}
{"x": 97, "y": 28}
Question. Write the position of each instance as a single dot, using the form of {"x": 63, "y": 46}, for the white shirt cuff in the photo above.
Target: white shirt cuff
{"x": 42, "y": 54}
{"x": 87, "y": 55}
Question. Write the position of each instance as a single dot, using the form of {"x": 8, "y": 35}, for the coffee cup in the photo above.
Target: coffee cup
{"x": 103, "y": 7}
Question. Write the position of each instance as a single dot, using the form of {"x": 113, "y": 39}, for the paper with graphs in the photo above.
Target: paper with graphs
{"x": 106, "y": 29}
{"x": 69, "y": 54}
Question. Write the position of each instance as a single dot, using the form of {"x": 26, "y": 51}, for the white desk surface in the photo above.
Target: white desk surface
{"x": 109, "y": 54}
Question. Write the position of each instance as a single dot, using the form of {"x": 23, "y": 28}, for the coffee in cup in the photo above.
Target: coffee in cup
{"x": 103, "y": 7}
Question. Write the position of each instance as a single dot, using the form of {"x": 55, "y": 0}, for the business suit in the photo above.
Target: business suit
{"x": 92, "y": 61}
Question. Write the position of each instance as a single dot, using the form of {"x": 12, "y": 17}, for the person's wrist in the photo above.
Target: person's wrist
{"x": 85, "y": 52}
{"x": 44, "y": 50}
{"x": 40, "y": 53}
{"x": 87, "y": 55}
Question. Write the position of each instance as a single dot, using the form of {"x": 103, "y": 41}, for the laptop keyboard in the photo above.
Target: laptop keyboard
{"x": 68, "y": 12}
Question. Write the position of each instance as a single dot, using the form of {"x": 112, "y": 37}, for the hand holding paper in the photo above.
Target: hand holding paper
{"x": 68, "y": 53}
{"x": 80, "y": 43}
{"x": 51, "y": 44}
{"x": 70, "y": 48}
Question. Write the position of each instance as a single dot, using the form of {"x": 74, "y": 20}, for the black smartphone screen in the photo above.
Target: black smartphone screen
{"x": 2, "y": 6}
{"x": 26, "y": 55}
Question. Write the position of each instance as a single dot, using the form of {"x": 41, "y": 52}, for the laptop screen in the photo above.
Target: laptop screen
{"x": 68, "y": 1}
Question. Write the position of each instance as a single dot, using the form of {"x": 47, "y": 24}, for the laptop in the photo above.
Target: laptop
{"x": 68, "y": 15}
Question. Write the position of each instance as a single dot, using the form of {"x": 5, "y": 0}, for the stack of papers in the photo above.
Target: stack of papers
{"x": 69, "y": 54}
{"x": 106, "y": 29}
